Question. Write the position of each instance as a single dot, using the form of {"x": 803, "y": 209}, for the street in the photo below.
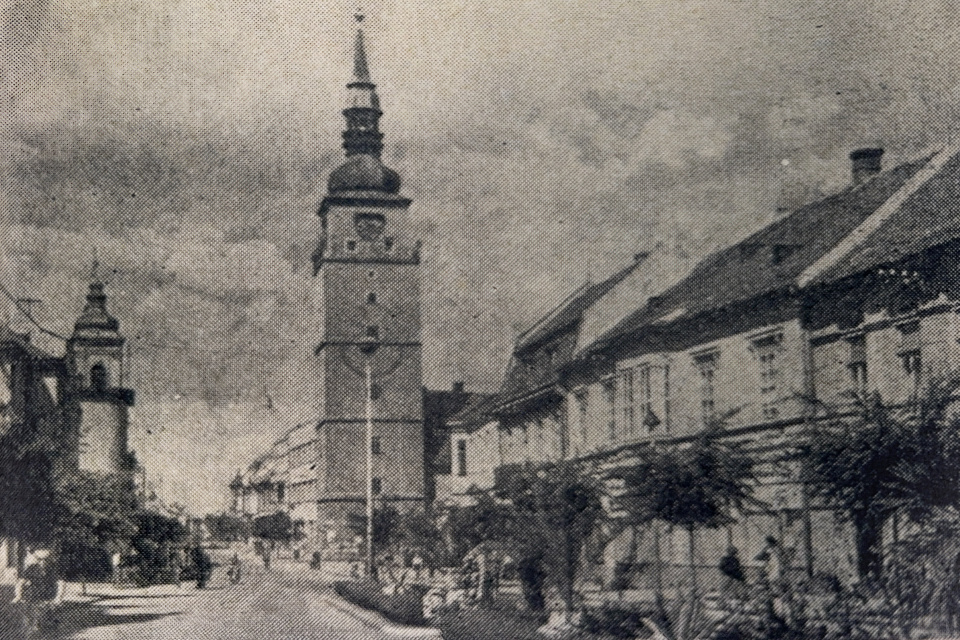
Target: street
{"x": 282, "y": 604}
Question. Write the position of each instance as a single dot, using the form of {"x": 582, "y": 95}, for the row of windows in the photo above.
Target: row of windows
{"x": 908, "y": 351}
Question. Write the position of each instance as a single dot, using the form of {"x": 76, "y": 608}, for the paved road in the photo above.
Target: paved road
{"x": 279, "y": 605}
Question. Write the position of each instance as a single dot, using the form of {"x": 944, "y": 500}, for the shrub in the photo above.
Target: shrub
{"x": 402, "y": 608}
{"x": 617, "y": 622}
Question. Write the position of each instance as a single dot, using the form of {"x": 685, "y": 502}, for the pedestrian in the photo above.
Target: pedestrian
{"x": 234, "y": 571}
{"x": 202, "y": 565}
{"x": 38, "y": 590}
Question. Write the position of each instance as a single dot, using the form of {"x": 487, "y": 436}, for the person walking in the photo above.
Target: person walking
{"x": 202, "y": 565}
{"x": 234, "y": 571}
{"x": 39, "y": 590}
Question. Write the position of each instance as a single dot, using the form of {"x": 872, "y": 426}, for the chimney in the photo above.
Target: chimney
{"x": 458, "y": 386}
{"x": 865, "y": 163}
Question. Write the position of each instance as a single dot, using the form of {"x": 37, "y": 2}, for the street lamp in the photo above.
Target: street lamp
{"x": 368, "y": 346}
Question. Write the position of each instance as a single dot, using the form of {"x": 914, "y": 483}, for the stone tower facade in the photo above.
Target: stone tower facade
{"x": 367, "y": 286}
{"x": 94, "y": 362}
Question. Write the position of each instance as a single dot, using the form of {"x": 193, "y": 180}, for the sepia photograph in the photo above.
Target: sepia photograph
{"x": 480, "y": 320}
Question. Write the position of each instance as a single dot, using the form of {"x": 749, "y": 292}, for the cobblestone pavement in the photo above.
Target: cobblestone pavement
{"x": 283, "y": 604}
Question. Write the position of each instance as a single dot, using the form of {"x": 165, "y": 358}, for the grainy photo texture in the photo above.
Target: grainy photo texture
{"x": 498, "y": 319}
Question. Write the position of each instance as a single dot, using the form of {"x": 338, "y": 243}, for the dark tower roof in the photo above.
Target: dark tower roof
{"x": 95, "y": 322}
{"x": 362, "y": 139}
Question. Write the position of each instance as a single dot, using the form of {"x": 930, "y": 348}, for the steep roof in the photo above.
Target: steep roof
{"x": 11, "y": 340}
{"x": 571, "y": 310}
{"x": 544, "y": 348}
{"x": 781, "y": 255}
{"x": 474, "y": 413}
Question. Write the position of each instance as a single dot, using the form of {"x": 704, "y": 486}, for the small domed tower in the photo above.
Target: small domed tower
{"x": 95, "y": 365}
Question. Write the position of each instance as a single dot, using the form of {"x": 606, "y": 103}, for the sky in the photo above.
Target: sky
{"x": 543, "y": 142}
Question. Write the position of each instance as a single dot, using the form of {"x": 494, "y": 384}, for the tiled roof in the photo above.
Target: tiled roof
{"x": 925, "y": 216}
{"x": 474, "y": 413}
{"x": 570, "y": 310}
{"x": 549, "y": 343}
{"x": 9, "y": 338}
{"x": 776, "y": 257}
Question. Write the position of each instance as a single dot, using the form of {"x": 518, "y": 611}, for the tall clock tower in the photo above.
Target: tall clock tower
{"x": 367, "y": 285}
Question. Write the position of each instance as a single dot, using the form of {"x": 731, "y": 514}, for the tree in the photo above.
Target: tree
{"x": 888, "y": 459}
{"x": 554, "y": 512}
{"x": 463, "y": 528}
{"x": 227, "y": 527}
{"x": 276, "y": 528}
{"x": 697, "y": 486}
{"x": 95, "y": 517}
{"x": 157, "y": 542}
{"x": 694, "y": 487}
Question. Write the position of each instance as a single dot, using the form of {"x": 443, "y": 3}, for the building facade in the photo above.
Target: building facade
{"x": 771, "y": 339}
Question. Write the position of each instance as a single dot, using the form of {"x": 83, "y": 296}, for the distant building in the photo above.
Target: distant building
{"x": 94, "y": 361}
{"x": 75, "y": 405}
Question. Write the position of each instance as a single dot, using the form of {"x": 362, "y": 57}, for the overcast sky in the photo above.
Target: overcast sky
{"x": 543, "y": 143}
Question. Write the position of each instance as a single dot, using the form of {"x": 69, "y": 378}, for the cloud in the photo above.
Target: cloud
{"x": 544, "y": 143}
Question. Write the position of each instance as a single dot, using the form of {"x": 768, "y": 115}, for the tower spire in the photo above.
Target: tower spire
{"x": 362, "y": 135}
{"x": 361, "y": 71}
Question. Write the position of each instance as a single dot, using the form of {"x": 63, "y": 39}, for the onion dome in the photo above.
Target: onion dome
{"x": 363, "y": 173}
{"x": 95, "y": 321}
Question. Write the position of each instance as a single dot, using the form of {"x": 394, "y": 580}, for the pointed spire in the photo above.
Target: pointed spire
{"x": 361, "y": 72}
{"x": 362, "y": 135}
{"x": 95, "y": 269}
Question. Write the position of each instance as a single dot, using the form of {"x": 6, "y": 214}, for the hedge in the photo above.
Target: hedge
{"x": 401, "y": 608}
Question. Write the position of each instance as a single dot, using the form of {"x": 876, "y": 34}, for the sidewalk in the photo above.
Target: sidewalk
{"x": 325, "y": 597}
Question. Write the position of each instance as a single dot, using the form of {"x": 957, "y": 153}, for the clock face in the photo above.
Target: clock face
{"x": 369, "y": 226}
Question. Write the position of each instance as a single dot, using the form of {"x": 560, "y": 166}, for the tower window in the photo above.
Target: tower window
{"x": 351, "y": 246}
{"x": 98, "y": 377}
{"x": 373, "y": 332}
{"x": 461, "y": 457}
{"x": 376, "y": 484}
{"x": 375, "y": 446}
{"x": 371, "y": 298}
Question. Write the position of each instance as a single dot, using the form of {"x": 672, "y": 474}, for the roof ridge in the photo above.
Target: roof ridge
{"x": 553, "y": 313}
{"x": 875, "y": 220}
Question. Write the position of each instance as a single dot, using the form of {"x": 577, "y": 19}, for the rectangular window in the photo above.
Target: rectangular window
{"x": 857, "y": 365}
{"x": 582, "y": 400}
{"x": 373, "y": 332}
{"x": 707, "y": 364}
{"x": 610, "y": 394}
{"x": 666, "y": 397}
{"x": 626, "y": 402}
{"x": 281, "y": 492}
{"x": 376, "y": 484}
{"x": 375, "y": 446}
{"x": 351, "y": 246}
{"x": 461, "y": 457}
{"x": 767, "y": 351}
{"x": 388, "y": 244}
{"x": 912, "y": 368}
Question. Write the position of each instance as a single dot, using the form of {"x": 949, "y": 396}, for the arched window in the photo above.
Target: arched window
{"x": 98, "y": 377}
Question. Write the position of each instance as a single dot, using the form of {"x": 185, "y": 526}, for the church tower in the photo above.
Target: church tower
{"x": 94, "y": 361}
{"x": 367, "y": 286}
